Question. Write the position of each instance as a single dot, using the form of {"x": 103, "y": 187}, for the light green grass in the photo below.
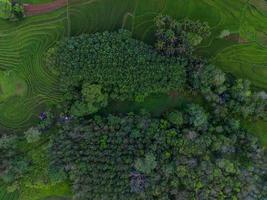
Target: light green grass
{"x": 89, "y": 16}
{"x": 36, "y": 1}
{"x": 260, "y": 129}
{"x": 155, "y": 104}
{"x": 45, "y": 191}
{"x": 22, "y": 49}
{"x": 11, "y": 85}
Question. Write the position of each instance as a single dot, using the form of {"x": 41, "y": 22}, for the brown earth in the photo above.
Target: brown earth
{"x": 235, "y": 38}
{"x": 36, "y": 9}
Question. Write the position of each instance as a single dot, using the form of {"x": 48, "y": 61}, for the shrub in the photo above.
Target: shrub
{"x": 5, "y": 9}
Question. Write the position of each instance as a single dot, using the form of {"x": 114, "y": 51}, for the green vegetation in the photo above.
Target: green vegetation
{"x": 36, "y": 1}
{"x": 123, "y": 68}
{"x": 8, "y": 195}
{"x": 11, "y": 85}
{"x": 139, "y": 157}
{"x": 180, "y": 150}
{"x": 5, "y": 9}
{"x": 179, "y": 39}
{"x": 148, "y": 149}
{"x": 11, "y": 10}
{"x": 26, "y": 85}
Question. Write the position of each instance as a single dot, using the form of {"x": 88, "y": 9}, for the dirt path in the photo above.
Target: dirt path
{"x": 235, "y": 38}
{"x": 32, "y": 9}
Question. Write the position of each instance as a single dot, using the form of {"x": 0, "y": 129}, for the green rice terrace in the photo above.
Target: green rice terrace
{"x": 133, "y": 99}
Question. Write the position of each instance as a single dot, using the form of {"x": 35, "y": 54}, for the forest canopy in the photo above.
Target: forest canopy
{"x": 125, "y": 68}
{"x": 141, "y": 157}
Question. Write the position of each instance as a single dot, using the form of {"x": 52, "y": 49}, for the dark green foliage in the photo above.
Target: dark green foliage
{"x": 197, "y": 116}
{"x": 92, "y": 100}
{"x": 47, "y": 121}
{"x": 176, "y": 118}
{"x": 147, "y": 164}
{"x": 178, "y": 38}
{"x": 189, "y": 154}
{"x": 125, "y": 68}
{"x": 17, "y": 11}
{"x": 12, "y": 160}
{"x": 227, "y": 95}
{"x": 139, "y": 157}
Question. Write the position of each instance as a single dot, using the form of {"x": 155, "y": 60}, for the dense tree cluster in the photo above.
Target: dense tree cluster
{"x": 114, "y": 64}
{"x": 179, "y": 38}
{"x": 226, "y": 94}
{"x": 13, "y": 163}
{"x": 184, "y": 155}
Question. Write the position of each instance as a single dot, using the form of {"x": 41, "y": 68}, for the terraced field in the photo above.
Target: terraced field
{"x": 4, "y": 195}
{"x": 22, "y": 48}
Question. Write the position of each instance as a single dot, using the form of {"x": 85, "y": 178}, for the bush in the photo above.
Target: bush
{"x": 17, "y": 11}
{"x": 5, "y": 9}
{"x": 47, "y": 120}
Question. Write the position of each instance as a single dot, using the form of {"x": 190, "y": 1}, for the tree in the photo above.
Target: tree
{"x": 179, "y": 38}
{"x": 94, "y": 97}
{"x": 5, "y": 9}
{"x": 176, "y": 118}
{"x": 106, "y": 68}
{"x": 147, "y": 164}
{"x": 18, "y": 11}
{"x": 47, "y": 119}
{"x": 142, "y": 157}
{"x": 197, "y": 116}
{"x": 92, "y": 100}
{"x": 32, "y": 135}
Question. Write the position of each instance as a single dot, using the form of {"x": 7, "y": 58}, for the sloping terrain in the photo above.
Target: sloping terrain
{"x": 242, "y": 19}
{"x": 27, "y": 87}
{"x": 22, "y": 48}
